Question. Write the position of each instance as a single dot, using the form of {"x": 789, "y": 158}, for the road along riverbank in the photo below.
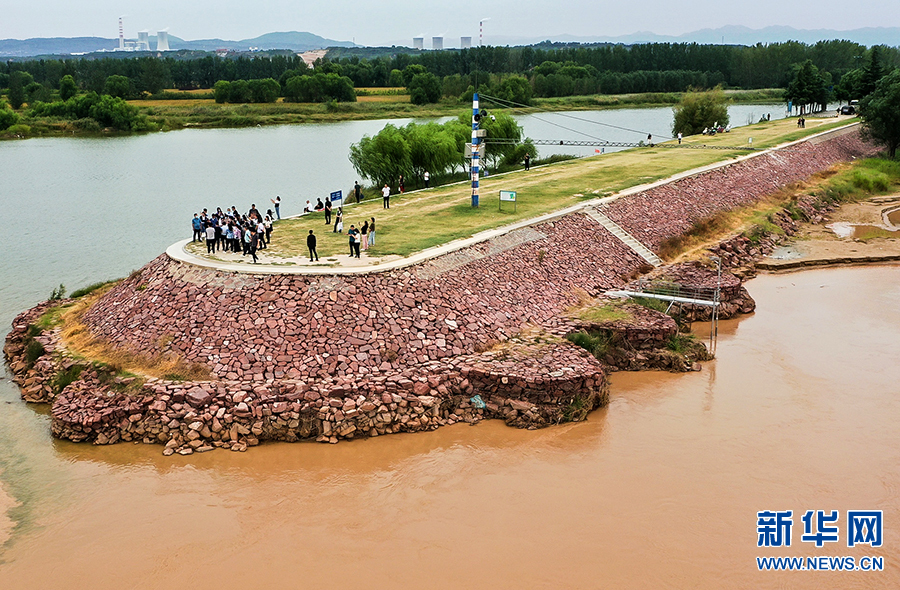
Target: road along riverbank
{"x": 471, "y": 334}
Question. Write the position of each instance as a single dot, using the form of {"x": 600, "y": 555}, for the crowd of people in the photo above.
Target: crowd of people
{"x": 232, "y": 231}
{"x": 247, "y": 233}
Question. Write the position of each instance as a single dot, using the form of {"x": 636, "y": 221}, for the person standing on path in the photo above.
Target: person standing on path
{"x": 210, "y": 239}
{"x": 353, "y": 233}
{"x": 311, "y": 244}
{"x": 254, "y": 246}
{"x": 386, "y": 197}
{"x": 198, "y": 229}
{"x": 357, "y": 191}
{"x": 339, "y": 221}
{"x": 527, "y": 161}
{"x": 372, "y": 232}
{"x": 277, "y": 202}
{"x": 364, "y": 233}
{"x": 427, "y": 178}
{"x": 328, "y": 212}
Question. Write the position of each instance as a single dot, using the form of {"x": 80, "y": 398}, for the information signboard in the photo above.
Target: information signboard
{"x": 508, "y": 196}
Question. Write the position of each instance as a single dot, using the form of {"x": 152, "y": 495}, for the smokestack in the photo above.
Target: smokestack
{"x": 121, "y": 34}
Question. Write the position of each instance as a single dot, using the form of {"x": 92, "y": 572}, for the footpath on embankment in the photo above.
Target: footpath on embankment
{"x": 470, "y": 332}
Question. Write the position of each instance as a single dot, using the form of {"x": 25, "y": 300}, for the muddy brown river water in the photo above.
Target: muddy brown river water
{"x": 660, "y": 490}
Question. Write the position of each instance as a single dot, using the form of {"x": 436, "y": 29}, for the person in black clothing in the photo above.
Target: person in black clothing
{"x": 328, "y": 212}
{"x": 354, "y": 241}
{"x": 527, "y": 162}
{"x": 311, "y": 244}
{"x": 254, "y": 244}
{"x": 357, "y": 190}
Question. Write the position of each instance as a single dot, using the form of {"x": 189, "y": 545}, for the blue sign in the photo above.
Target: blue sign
{"x": 337, "y": 196}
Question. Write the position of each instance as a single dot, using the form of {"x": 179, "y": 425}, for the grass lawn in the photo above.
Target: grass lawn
{"x": 438, "y": 215}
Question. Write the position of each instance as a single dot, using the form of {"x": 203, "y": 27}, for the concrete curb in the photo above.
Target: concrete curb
{"x": 177, "y": 250}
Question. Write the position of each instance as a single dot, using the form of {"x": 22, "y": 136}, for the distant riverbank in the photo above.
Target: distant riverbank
{"x": 204, "y": 113}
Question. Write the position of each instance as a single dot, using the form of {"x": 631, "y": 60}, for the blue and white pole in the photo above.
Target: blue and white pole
{"x": 475, "y": 150}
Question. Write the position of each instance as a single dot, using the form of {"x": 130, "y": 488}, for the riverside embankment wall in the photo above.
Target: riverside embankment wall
{"x": 331, "y": 357}
{"x": 310, "y": 327}
{"x": 666, "y": 211}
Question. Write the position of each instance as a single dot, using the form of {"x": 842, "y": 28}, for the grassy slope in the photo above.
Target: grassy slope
{"x": 430, "y": 217}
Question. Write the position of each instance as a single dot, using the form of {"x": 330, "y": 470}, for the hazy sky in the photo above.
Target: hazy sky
{"x": 386, "y": 22}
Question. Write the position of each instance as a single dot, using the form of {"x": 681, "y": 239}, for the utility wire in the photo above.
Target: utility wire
{"x": 501, "y": 102}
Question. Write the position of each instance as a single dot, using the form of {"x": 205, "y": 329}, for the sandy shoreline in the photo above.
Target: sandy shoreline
{"x": 835, "y": 239}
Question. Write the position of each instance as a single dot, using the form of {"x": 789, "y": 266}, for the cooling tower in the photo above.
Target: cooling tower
{"x": 162, "y": 40}
{"x": 437, "y": 43}
{"x": 418, "y": 42}
{"x": 143, "y": 42}
{"x": 465, "y": 43}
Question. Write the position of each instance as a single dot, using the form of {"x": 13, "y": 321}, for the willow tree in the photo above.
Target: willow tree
{"x": 699, "y": 110}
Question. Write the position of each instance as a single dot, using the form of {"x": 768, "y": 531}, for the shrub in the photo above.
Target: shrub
{"x": 65, "y": 377}
{"x": 8, "y": 118}
{"x": 33, "y": 351}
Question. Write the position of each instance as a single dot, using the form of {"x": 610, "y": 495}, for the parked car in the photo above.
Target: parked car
{"x": 848, "y": 110}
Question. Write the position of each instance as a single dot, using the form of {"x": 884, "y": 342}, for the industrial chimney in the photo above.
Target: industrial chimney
{"x": 162, "y": 40}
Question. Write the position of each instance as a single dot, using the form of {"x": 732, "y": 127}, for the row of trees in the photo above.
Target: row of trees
{"x": 550, "y": 71}
{"x": 438, "y": 148}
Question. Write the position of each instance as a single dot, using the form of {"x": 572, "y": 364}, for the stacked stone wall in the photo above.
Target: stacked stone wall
{"x": 309, "y": 327}
{"x": 655, "y": 215}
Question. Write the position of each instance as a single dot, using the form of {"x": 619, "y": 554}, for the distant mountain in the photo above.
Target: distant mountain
{"x": 294, "y": 41}
{"x": 729, "y": 35}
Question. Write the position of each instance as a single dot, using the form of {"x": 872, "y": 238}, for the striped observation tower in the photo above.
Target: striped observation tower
{"x": 476, "y": 117}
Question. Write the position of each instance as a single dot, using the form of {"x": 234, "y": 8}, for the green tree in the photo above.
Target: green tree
{"x": 221, "y": 90}
{"x": 382, "y": 158}
{"x": 264, "y": 90}
{"x": 304, "y": 89}
{"x": 880, "y": 112}
{"x": 67, "y": 87}
{"x": 515, "y": 89}
{"x": 119, "y": 86}
{"x": 396, "y": 79}
{"x": 239, "y": 92}
{"x": 699, "y": 110}
{"x": 872, "y": 72}
{"x": 411, "y": 71}
{"x": 850, "y": 86}
{"x": 16, "y": 92}
{"x": 424, "y": 88}
{"x": 808, "y": 88}
{"x": 432, "y": 147}
{"x": 37, "y": 91}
